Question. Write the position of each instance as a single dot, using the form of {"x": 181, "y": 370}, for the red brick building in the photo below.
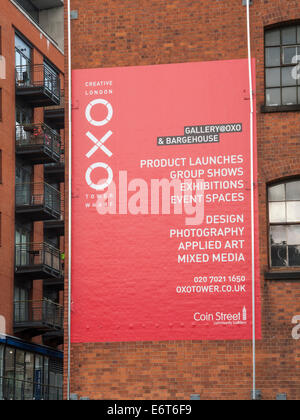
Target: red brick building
{"x": 130, "y": 33}
{"x": 31, "y": 199}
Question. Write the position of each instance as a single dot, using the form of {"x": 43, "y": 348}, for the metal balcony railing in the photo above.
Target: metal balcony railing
{"x": 55, "y": 172}
{"x": 15, "y": 389}
{"x": 39, "y": 195}
{"x": 61, "y": 162}
{"x": 62, "y": 212}
{"x": 31, "y": 78}
{"x": 56, "y": 226}
{"x": 60, "y": 106}
{"x": 33, "y": 138}
{"x": 40, "y": 313}
{"x": 31, "y": 255}
{"x": 54, "y": 115}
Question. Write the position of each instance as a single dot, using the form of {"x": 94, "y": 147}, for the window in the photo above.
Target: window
{"x": 23, "y": 117}
{"x": 284, "y": 220}
{"x": 22, "y": 61}
{"x": 21, "y": 304}
{"x": 22, "y": 244}
{"x": 282, "y": 66}
{"x": 23, "y": 184}
{"x": 23, "y": 51}
{"x": 27, "y": 376}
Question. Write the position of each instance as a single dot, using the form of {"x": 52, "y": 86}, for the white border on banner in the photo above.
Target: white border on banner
{"x": 252, "y": 200}
{"x": 69, "y": 199}
{"x": 252, "y": 204}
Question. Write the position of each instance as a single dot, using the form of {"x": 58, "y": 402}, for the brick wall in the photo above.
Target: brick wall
{"x": 126, "y": 33}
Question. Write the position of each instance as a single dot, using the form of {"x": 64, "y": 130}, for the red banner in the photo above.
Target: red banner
{"x": 161, "y": 207}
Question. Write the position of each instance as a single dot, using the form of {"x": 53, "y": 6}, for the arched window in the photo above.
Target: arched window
{"x": 284, "y": 224}
{"x": 282, "y": 68}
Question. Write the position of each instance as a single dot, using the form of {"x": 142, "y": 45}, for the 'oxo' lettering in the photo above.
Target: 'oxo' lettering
{"x": 99, "y": 187}
{"x": 90, "y": 107}
{"x": 99, "y": 145}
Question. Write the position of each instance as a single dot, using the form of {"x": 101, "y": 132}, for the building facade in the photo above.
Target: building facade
{"x": 31, "y": 199}
{"x": 129, "y": 33}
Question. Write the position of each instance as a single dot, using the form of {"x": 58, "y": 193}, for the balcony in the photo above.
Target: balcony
{"x": 37, "y": 317}
{"x": 56, "y": 283}
{"x": 47, "y": 4}
{"x": 38, "y": 86}
{"x": 35, "y": 261}
{"x": 53, "y": 339}
{"x": 37, "y": 201}
{"x": 55, "y": 115}
{"x": 55, "y": 172}
{"x": 38, "y": 144}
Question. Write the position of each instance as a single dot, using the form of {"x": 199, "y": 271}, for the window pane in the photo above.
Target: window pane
{"x": 273, "y": 56}
{"x": 288, "y": 35}
{"x": 293, "y": 191}
{"x": 288, "y": 54}
{"x": 297, "y": 58}
{"x": 20, "y": 372}
{"x": 9, "y": 361}
{"x": 23, "y": 47}
{"x": 298, "y": 35}
{"x": 38, "y": 377}
{"x": 296, "y": 71}
{"x": 28, "y": 391}
{"x": 287, "y": 77}
{"x": 19, "y": 388}
{"x": 277, "y": 193}
{"x": 277, "y": 212}
{"x": 289, "y": 96}
{"x": 273, "y": 37}
{"x": 278, "y": 235}
{"x": 293, "y": 235}
{"x": 279, "y": 256}
{"x": 273, "y": 77}
{"x": 273, "y": 97}
{"x": 20, "y": 357}
{"x": 9, "y": 374}
{"x": 294, "y": 255}
{"x": 293, "y": 211}
{"x": 29, "y": 364}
